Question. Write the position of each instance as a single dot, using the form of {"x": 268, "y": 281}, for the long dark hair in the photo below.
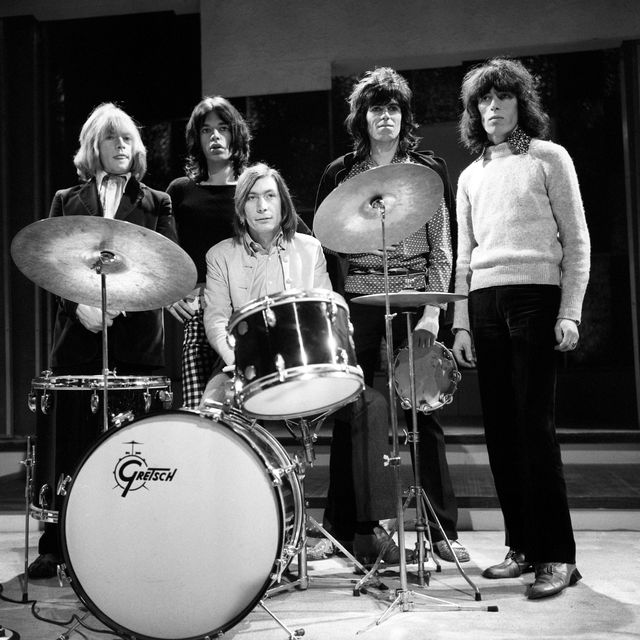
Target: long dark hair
{"x": 196, "y": 164}
{"x": 379, "y": 87}
{"x": 501, "y": 74}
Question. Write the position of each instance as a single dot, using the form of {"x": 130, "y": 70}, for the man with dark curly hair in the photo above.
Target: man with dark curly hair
{"x": 523, "y": 260}
{"x": 381, "y": 125}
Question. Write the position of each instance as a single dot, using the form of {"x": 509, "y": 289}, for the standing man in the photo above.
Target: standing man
{"x": 523, "y": 259}
{"x": 381, "y": 126}
{"x": 110, "y": 162}
{"x": 218, "y": 151}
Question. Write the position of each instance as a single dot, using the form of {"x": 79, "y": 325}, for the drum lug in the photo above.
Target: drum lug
{"x": 62, "y": 484}
{"x": 147, "y": 401}
{"x": 343, "y": 359}
{"x": 118, "y": 420}
{"x": 32, "y": 402}
{"x": 94, "y": 402}
{"x": 166, "y": 397}
{"x": 405, "y": 403}
{"x": 43, "y": 503}
{"x": 332, "y": 311}
{"x": 280, "y": 366}
{"x": 270, "y": 317}
{"x": 45, "y": 403}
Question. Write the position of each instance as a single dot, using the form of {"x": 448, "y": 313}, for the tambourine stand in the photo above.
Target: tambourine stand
{"x": 423, "y": 505}
{"x": 404, "y": 600}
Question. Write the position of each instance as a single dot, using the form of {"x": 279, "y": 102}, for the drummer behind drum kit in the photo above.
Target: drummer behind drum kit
{"x": 148, "y": 504}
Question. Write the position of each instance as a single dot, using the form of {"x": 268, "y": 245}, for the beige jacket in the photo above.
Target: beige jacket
{"x": 231, "y": 273}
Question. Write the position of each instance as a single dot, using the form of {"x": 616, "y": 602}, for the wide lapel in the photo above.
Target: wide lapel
{"x": 88, "y": 196}
{"x": 132, "y": 195}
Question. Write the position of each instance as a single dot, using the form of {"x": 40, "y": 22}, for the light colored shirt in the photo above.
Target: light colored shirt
{"x": 240, "y": 271}
{"x": 521, "y": 221}
{"x": 110, "y": 190}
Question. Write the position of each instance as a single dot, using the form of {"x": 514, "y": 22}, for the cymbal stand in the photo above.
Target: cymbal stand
{"x": 307, "y": 438}
{"x": 105, "y": 258}
{"x": 423, "y": 505}
{"x": 404, "y": 600}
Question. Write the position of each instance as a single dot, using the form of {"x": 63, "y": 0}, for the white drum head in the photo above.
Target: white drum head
{"x": 301, "y": 396}
{"x": 171, "y": 527}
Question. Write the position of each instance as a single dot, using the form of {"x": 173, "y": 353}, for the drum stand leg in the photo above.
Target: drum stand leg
{"x": 28, "y": 463}
{"x": 298, "y": 633}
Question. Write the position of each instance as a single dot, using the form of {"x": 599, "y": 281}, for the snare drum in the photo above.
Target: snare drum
{"x": 436, "y": 377}
{"x": 294, "y": 354}
{"x": 69, "y": 420}
{"x": 175, "y": 525}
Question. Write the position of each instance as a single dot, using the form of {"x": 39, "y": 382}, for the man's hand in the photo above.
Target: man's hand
{"x": 91, "y": 317}
{"x": 463, "y": 349}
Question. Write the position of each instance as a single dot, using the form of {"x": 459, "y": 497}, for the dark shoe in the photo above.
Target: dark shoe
{"x": 44, "y": 566}
{"x": 551, "y": 578}
{"x": 442, "y": 549}
{"x": 513, "y": 566}
{"x": 367, "y": 548}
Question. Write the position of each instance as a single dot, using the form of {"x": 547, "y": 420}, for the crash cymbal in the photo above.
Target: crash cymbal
{"x": 346, "y": 222}
{"x": 409, "y": 298}
{"x": 144, "y": 270}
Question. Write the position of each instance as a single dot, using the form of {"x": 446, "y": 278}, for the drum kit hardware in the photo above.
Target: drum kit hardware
{"x": 147, "y": 498}
{"x": 369, "y": 212}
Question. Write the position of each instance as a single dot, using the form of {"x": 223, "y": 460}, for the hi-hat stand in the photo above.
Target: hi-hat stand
{"x": 309, "y": 429}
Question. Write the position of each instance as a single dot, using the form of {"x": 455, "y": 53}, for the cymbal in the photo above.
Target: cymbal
{"x": 409, "y": 298}
{"x": 144, "y": 270}
{"x": 347, "y": 223}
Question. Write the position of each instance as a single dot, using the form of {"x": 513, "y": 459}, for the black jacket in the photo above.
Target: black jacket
{"x": 136, "y": 340}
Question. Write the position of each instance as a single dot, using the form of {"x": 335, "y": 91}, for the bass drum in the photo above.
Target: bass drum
{"x": 175, "y": 525}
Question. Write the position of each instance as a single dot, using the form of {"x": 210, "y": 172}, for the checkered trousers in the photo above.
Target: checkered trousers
{"x": 198, "y": 361}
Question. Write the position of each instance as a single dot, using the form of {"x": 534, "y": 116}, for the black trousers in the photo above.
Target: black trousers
{"x": 513, "y": 332}
{"x": 369, "y": 330}
{"x": 361, "y": 487}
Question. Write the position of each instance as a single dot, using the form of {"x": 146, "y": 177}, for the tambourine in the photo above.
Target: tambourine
{"x": 436, "y": 377}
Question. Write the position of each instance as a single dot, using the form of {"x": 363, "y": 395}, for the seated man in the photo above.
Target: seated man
{"x": 267, "y": 256}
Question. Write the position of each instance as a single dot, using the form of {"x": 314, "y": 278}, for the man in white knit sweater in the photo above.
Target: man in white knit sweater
{"x": 523, "y": 260}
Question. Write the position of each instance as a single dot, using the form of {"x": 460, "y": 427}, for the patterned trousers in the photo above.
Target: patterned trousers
{"x": 198, "y": 361}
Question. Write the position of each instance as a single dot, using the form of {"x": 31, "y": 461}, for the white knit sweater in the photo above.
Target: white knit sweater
{"x": 521, "y": 221}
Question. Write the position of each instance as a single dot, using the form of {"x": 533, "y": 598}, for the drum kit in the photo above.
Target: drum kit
{"x": 152, "y": 502}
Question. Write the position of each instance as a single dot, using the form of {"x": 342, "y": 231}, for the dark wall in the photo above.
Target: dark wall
{"x": 53, "y": 74}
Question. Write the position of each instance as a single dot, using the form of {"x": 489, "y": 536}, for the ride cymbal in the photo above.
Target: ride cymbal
{"x": 64, "y": 255}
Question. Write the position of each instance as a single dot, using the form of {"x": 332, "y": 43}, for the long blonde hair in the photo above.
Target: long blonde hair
{"x": 103, "y": 120}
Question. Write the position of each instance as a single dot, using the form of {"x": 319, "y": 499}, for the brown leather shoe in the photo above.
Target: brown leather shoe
{"x": 513, "y": 566}
{"x": 551, "y": 578}
{"x": 367, "y": 548}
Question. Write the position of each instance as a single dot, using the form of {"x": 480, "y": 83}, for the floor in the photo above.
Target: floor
{"x": 605, "y": 604}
